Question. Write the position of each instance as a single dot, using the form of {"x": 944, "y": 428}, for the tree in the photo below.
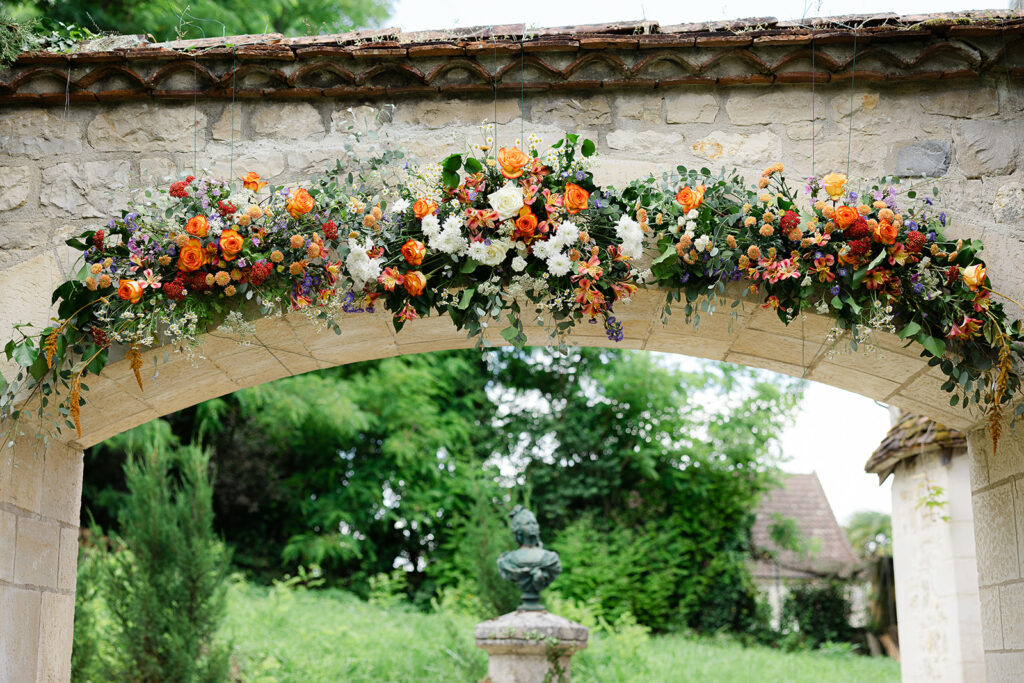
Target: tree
{"x": 870, "y": 534}
{"x": 172, "y": 19}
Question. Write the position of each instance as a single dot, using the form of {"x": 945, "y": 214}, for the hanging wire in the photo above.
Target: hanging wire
{"x": 853, "y": 78}
{"x": 494, "y": 41}
{"x": 522, "y": 91}
{"x": 814, "y": 118}
{"x": 231, "y": 160}
{"x": 195, "y": 112}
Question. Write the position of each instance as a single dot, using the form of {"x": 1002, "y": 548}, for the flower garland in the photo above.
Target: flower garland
{"x": 481, "y": 236}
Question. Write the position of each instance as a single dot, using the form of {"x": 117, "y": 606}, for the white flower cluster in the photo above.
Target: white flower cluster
{"x": 489, "y": 254}
{"x": 686, "y": 223}
{"x": 449, "y": 240}
{"x": 631, "y": 235}
{"x": 400, "y": 206}
{"x": 558, "y": 262}
{"x": 361, "y": 268}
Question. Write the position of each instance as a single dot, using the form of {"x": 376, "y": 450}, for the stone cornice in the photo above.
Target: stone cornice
{"x": 388, "y": 63}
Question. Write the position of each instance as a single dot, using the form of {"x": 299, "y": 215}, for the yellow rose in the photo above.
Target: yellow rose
{"x": 834, "y": 184}
{"x": 974, "y": 276}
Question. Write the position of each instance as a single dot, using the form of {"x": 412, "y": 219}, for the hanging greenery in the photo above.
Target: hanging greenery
{"x": 520, "y": 237}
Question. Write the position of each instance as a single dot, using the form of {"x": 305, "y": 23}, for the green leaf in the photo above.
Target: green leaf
{"x": 670, "y": 250}
{"x": 878, "y": 259}
{"x": 467, "y": 296}
{"x": 858, "y": 277}
{"x": 469, "y": 266}
{"x": 453, "y": 162}
{"x": 910, "y": 330}
{"x": 854, "y": 306}
{"x": 473, "y": 165}
{"x": 450, "y": 178}
{"x": 837, "y": 303}
{"x": 510, "y": 334}
{"x": 38, "y": 368}
{"x": 588, "y": 148}
{"x": 935, "y": 346}
{"x": 25, "y": 354}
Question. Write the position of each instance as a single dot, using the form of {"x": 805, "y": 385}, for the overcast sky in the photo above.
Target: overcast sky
{"x": 823, "y": 438}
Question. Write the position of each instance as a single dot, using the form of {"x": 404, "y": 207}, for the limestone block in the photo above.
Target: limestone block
{"x": 572, "y": 113}
{"x": 521, "y": 646}
{"x": 638, "y": 109}
{"x": 62, "y": 484}
{"x": 147, "y": 127}
{"x": 442, "y": 113}
{"x": 156, "y": 170}
{"x": 8, "y": 529}
{"x": 1008, "y": 206}
{"x": 805, "y": 130}
{"x": 15, "y": 186}
{"x": 968, "y": 103}
{"x": 739, "y": 148}
{"x": 90, "y": 189}
{"x": 991, "y": 631}
{"x": 646, "y": 142}
{"x": 987, "y": 147}
{"x": 266, "y": 161}
{"x": 56, "y": 624}
{"x": 19, "y": 633}
{"x": 289, "y": 121}
{"x": 1003, "y": 667}
{"x": 229, "y": 124}
{"x": 364, "y": 118}
{"x": 927, "y": 158}
{"x": 1011, "y": 606}
{"x": 37, "y": 133}
{"x": 755, "y": 108}
{"x": 67, "y": 563}
{"x": 21, "y": 475}
{"x": 690, "y": 107}
{"x": 996, "y": 535}
{"x": 38, "y": 549}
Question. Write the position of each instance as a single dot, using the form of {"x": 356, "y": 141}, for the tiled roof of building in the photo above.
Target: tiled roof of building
{"x": 390, "y": 62}
{"x": 801, "y": 498}
{"x": 911, "y": 436}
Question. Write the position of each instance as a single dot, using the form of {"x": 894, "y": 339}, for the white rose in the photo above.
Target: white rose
{"x": 507, "y": 201}
{"x": 692, "y": 215}
{"x": 519, "y": 264}
{"x": 702, "y": 243}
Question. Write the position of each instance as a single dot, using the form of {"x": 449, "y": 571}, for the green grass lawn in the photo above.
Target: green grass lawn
{"x": 287, "y": 635}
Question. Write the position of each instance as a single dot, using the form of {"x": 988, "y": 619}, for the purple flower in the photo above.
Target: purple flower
{"x": 684, "y": 278}
{"x": 852, "y": 196}
{"x": 580, "y": 175}
{"x": 843, "y": 272}
{"x": 877, "y": 195}
{"x": 942, "y": 218}
{"x": 932, "y": 236}
{"x": 835, "y": 290}
{"x": 613, "y": 329}
{"x": 918, "y": 288}
{"x": 928, "y": 201}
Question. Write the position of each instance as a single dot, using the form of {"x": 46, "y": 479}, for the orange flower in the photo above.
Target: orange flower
{"x": 690, "y": 198}
{"x": 423, "y": 207}
{"x": 415, "y": 282}
{"x": 130, "y": 290}
{"x": 974, "y": 276}
{"x": 576, "y": 198}
{"x": 845, "y": 216}
{"x": 299, "y": 202}
{"x": 230, "y": 244}
{"x": 197, "y": 226}
{"x": 885, "y": 232}
{"x": 526, "y": 223}
{"x": 192, "y": 256}
{"x": 414, "y": 251}
{"x": 834, "y": 184}
{"x": 251, "y": 181}
{"x": 512, "y": 161}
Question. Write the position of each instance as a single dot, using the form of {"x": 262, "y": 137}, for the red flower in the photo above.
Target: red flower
{"x": 857, "y": 230}
{"x": 916, "y": 240}
{"x": 196, "y": 280}
{"x": 226, "y": 208}
{"x": 97, "y": 240}
{"x": 175, "y": 289}
{"x": 952, "y": 274}
{"x": 99, "y": 337}
{"x": 260, "y": 271}
{"x": 178, "y": 188}
{"x": 330, "y": 230}
{"x": 789, "y": 220}
{"x": 860, "y": 247}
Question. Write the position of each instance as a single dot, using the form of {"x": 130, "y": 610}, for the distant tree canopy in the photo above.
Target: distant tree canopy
{"x": 171, "y": 19}
{"x": 643, "y": 476}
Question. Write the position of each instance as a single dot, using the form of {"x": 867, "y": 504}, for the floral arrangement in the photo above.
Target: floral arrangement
{"x": 513, "y": 233}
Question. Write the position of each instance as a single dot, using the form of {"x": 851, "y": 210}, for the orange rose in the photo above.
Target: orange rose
{"x": 415, "y": 282}
{"x": 845, "y": 216}
{"x": 197, "y": 226}
{"x": 251, "y": 181}
{"x": 414, "y": 251}
{"x": 299, "y": 202}
{"x": 690, "y": 199}
{"x": 192, "y": 256}
{"x": 230, "y": 244}
{"x": 422, "y": 207}
{"x": 974, "y": 276}
{"x": 885, "y": 232}
{"x": 576, "y": 198}
{"x": 512, "y": 161}
{"x": 130, "y": 290}
{"x": 526, "y": 223}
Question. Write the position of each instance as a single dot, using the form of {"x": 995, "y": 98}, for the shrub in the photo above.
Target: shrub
{"x": 818, "y": 613}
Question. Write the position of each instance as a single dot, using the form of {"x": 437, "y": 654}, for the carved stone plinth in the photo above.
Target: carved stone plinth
{"x": 530, "y": 647}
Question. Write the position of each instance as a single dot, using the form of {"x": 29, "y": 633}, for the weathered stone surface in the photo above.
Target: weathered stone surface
{"x": 289, "y": 121}
{"x": 92, "y": 189}
{"x": 38, "y": 133}
{"x": 927, "y": 158}
{"x": 269, "y": 163}
{"x": 521, "y": 646}
{"x": 156, "y": 170}
{"x": 56, "y": 623}
{"x": 572, "y": 112}
{"x": 362, "y": 119}
{"x": 631, "y": 110}
{"x": 440, "y": 113}
{"x": 776, "y": 106}
{"x": 147, "y": 127}
{"x": 229, "y": 125}
{"x": 690, "y": 107}
{"x": 1008, "y": 206}
{"x": 964, "y": 103}
{"x": 738, "y": 148}
{"x": 647, "y": 142}
{"x": 806, "y": 130}
{"x": 35, "y": 560}
{"x": 996, "y": 535}
{"x": 15, "y": 186}
{"x": 7, "y": 532}
{"x": 19, "y": 622}
{"x": 987, "y": 147}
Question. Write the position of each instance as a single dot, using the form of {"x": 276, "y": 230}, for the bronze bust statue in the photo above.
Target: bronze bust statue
{"x": 531, "y": 567}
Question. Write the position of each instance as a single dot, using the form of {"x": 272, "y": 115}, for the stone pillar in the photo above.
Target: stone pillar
{"x": 530, "y": 647}
{"x": 936, "y": 572}
{"x": 997, "y": 490}
{"x": 40, "y": 496}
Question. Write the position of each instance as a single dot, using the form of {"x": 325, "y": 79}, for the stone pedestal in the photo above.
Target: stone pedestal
{"x": 530, "y": 647}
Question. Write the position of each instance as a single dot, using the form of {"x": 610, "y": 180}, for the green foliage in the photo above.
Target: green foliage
{"x": 165, "y": 586}
{"x": 86, "y": 664}
{"x": 870, "y": 534}
{"x": 171, "y": 19}
{"x": 818, "y": 613}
